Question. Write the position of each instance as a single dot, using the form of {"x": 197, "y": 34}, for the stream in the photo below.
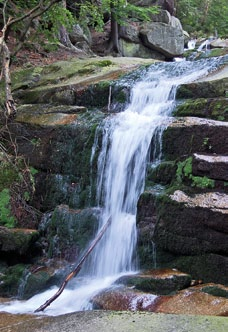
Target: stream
{"x": 126, "y": 153}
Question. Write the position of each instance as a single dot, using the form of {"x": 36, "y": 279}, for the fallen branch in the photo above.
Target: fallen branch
{"x": 77, "y": 268}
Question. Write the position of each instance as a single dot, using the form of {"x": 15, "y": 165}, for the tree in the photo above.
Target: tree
{"x": 17, "y": 16}
{"x": 92, "y": 12}
{"x": 203, "y": 17}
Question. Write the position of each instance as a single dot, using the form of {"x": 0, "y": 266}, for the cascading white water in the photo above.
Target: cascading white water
{"x": 125, "y": 153}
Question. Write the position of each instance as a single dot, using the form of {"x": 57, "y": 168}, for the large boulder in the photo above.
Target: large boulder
{"x": 131, "y": 49}
{"x": 164, "y": 38}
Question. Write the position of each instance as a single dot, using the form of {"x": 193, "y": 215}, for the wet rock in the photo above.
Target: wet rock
{"x": 42, "y": 276}
{"x": 75, "y": 82}
{"x": 120, "y": 298}
{"x": 197, "y": 301}
{"x": 60, "y": 152}
{"x": 10, "y": 279}
{"x": 68, "y": 231}
{"x": 159, "y": 281}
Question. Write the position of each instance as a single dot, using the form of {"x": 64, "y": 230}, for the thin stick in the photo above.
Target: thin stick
{"x": 77, "y": 268}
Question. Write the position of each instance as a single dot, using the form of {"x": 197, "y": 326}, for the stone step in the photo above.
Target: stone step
{"x": 194, "y": 224}
{"x": 213, "y": 166}
{"x": 206, "y": 89}
{"x": 188, "y": 135}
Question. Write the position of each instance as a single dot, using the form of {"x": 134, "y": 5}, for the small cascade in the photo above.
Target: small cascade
{"x": 132, "y": 142}
{"x": 205, "y": 46}
{"x": 23, "y": 284}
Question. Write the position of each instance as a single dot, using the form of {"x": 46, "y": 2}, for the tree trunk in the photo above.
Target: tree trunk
{"x": 114, "y": 33}
{"x": 5, "y": 74}
{"x": 9, "y": 103}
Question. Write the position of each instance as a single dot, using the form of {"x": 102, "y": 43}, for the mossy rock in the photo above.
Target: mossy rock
{"x": 207, "y": 89}
{"x": 162, "y": 282}
{"x": 163, "y": 174}
{"x": 10, "y": 280}
{"x": 216, "y": 109}
{"x": 69, "y": 231}
{"x": 17, "y": 241}
{"x": 204, "y": 267}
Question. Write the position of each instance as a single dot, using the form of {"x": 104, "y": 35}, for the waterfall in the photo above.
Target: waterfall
{"x": 125, "y": 154}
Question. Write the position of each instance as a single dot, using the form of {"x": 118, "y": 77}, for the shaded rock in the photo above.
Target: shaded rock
{"x": 168, "y": 5}
{"x": 17, "y": 241}
{"x": 200, "y": 223}
{"x": 10, "y": 279}
{"x": 146, "y": 221}
{"x": 159, "y": 281}
{"x": 77, "y": 35}
{"x": 163, "y": 17}
{"x": 205, "y": 267}
{"x": 68, "y": 231}
{"x": 60, "y": 152}
{"x": 195, "y": 131}
{"x": 212, "y": 166}
{"x": 41, "y": 277}
{"x": 163, "y": 38}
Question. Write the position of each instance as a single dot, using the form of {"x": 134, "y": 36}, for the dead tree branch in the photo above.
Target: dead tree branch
{"x": 77, "y": 268}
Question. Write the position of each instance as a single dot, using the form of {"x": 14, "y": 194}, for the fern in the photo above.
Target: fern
{"x": 6, "y": 219}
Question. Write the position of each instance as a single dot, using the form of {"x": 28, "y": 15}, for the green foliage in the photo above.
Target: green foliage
{"x": 53, "y": 19}
{"x": 184, "y": 170}
{"x": 93, "y": 14}
{"x": 202, "y": 182}
{"x": 200, "y": 17}
{"x": 6, "y": 218}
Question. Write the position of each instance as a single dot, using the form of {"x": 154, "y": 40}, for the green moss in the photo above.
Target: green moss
{"x": 8, "y": 174}
{"x": 202, "y": 182}
{"x": 216, "y": 291}
{"x": 184, "y": 168}
{"x": 6, "y": 217}
{"x": 103, "y": 63}
{"x": 10, "y": 280}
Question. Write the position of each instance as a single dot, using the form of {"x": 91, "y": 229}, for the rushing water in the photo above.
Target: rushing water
{"x": 125, "y": 154}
